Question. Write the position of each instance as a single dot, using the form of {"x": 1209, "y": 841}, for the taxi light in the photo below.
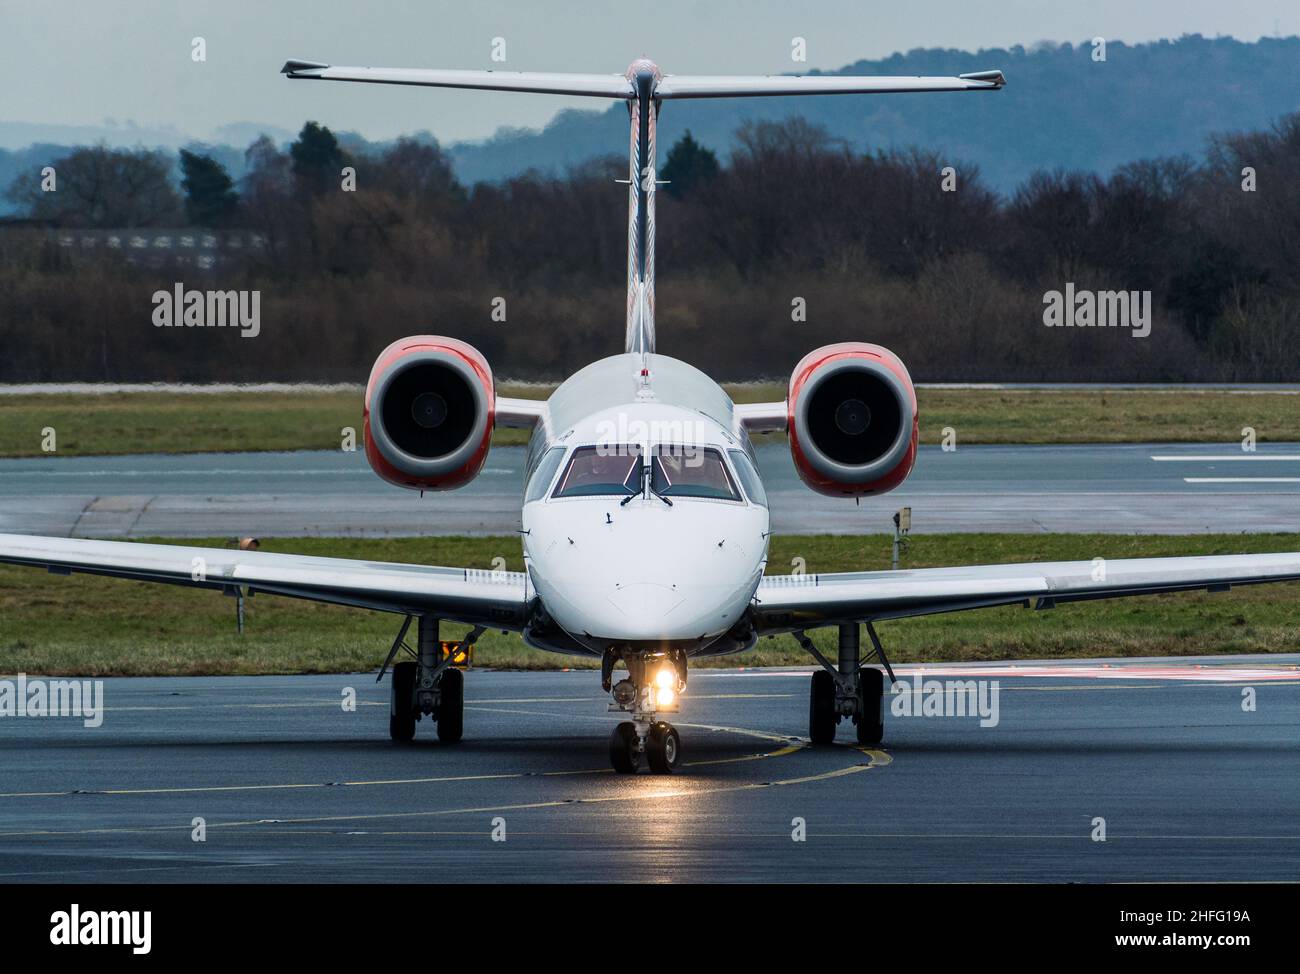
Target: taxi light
{"x": 462, "y": 655}
{"x": 665, "y": 678}
{"x": 666, "y": 696}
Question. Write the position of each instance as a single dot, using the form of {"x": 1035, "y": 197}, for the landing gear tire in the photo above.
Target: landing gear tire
{"x": 663, "y": 748}
{"x": 624, "y": 747}
{"x": 451, "y": 706}
{"x": 871, "y": 706}
{"x": 822, "y": 717}
{"x": 401, "y": 709}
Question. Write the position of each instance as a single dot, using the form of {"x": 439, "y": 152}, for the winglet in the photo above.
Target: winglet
{"x": 291, "y": 68}
{"x": 994, "y": 77}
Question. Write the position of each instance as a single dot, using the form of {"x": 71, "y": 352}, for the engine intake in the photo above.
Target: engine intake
{"x": 430, "y": 409}
{"x": 852, "y": 419}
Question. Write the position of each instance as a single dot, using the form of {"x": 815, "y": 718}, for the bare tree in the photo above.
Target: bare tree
{"x": 102, "y": 187}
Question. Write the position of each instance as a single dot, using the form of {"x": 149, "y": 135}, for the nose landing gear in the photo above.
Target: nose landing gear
{"x": 656, "y": 740}
{"x": 652, "y": 686}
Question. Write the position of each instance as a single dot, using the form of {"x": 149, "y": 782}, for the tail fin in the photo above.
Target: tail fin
{"x": 644, "y": 87}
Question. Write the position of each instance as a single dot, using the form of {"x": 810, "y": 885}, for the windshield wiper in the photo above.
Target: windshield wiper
{"x": 661, "y": 497}
{"x": 650, "y": 483}
{"x": 647, "y": 487}
{"x": 636, "y": 493}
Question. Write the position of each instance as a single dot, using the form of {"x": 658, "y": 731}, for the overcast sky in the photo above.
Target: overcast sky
{"x": 87, "y": 61}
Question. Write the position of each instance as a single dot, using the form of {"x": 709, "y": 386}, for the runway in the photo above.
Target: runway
{"x": 1141, "y": 489}
{"x": 291, "y": 787}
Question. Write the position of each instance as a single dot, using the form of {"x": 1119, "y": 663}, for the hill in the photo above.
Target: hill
{"x": 1060, "y": 109}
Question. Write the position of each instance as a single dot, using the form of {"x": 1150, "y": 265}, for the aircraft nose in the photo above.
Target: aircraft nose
{"x": 644, "y": 601}
{"x": 645, "y": 572}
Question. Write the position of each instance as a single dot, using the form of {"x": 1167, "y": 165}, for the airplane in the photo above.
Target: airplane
{"x": 645, "y": 524}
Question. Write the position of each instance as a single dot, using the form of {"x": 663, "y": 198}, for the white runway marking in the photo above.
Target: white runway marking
{"x": 1099, "y": 671}
{"x": 1225, "y": 457}
{"x": 1241, "y": 480}
{"x": 197, "y": 472}
{"x": 1231, "y": 458}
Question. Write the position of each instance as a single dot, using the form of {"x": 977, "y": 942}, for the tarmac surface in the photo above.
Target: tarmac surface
{"x": 1128, "y": 489}
{"x": 1191, "y": 783}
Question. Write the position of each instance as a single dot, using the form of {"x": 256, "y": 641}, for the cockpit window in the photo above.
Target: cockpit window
{"x": 544, "y": 474}
{"x": 595, "y": 470}
{"x": 753, "y": 484}
{"x": 686, "y": 471}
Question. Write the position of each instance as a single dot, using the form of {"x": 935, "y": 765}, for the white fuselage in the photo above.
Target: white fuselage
{"x": 618, "y": 565}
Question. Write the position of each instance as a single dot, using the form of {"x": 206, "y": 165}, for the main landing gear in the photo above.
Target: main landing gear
{"x": 654, "y": 681}
{"x": 850, "y": 690}
{"x": 427, "y": 686}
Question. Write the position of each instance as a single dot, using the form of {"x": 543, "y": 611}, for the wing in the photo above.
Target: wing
{"x": 723, "y": 86}
{"x": 477, "y": 597}
{"x": 788, "y": 602}
{"x": 599, "y": 85}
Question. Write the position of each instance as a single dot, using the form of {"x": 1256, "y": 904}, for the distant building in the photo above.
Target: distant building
{"x": 142, "y": 246}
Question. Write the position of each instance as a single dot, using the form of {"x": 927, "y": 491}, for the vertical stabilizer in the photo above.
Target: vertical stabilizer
{"x": 643, "y": 112}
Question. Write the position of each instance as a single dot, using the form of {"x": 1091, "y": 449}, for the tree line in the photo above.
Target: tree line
{"x": 793, "y": 241}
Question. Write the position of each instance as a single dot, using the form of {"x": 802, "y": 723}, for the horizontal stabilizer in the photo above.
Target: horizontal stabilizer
{"x": 667, "y": 86}
{"x": 724, "y": 86}
{"x": 994, "y": 77}
{"x": 598, "y": 85}
{"x": 292, "y": 67}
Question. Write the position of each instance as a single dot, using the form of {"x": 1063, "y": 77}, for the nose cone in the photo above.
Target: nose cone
{"x": 652, "y": 573}
{"x": 646, "y": 599}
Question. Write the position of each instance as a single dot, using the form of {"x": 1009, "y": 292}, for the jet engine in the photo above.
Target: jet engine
{"x": 852, "y": 419}
{"x": 430, "y": 409}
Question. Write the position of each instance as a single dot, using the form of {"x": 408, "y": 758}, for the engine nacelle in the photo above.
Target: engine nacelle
{"x": 430, "y": 409}
{"x": 852, "y": 419}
